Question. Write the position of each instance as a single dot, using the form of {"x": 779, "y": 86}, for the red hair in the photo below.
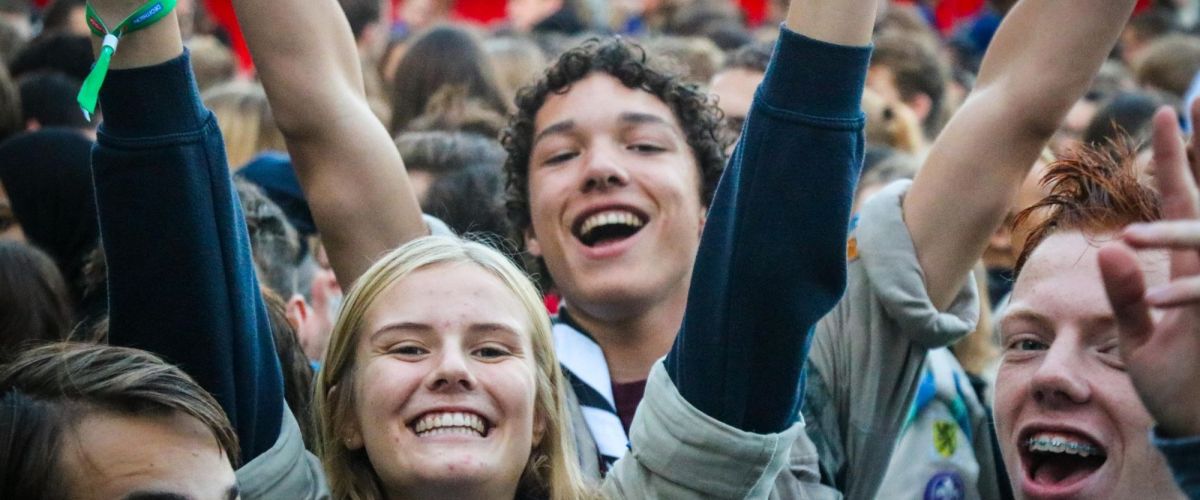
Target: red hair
{"x": 1093, "y": 190}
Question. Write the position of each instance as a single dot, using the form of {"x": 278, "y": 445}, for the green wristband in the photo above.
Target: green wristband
{"x": 149, "y": 13}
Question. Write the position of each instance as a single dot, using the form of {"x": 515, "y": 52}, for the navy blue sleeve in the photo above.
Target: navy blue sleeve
{"x": 181, "y": 277}
{"x": 772, "y": 259}
{"x": 1183, "y": 457}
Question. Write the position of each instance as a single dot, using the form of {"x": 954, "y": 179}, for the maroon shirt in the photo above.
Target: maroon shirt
{"x": 627, "y": 396}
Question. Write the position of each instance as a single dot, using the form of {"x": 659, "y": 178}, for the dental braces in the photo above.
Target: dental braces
{"x": 1061, "y": 445}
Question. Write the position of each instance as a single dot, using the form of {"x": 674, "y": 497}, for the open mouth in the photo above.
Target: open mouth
{"x": 608, "y": 226}
{"x": 450, "y": 423}
{"x": 1058, "y": 459}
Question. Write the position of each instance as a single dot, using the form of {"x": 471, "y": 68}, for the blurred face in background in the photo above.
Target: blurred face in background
{"x": 10, "y": 228}
{"x": 734, "y": 89}
{"x": 525, "y": 14}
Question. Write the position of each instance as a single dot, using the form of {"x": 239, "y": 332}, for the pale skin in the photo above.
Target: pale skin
{"x": 175, "y": 456}
{"x": 1160, "y": 326}
{"x": 977, "y": 164}
{"x": 352, "y": 175}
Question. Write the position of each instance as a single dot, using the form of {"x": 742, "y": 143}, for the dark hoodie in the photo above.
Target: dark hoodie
{"x": 48, "y": 178}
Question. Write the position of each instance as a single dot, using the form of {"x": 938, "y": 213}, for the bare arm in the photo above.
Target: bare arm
{"x": 845, "y": 22}
{"x": 349, "y": 167}
{"x": 1040, "y": 63}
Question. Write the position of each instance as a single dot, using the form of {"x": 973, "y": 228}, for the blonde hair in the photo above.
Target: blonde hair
{"x": 246, "y": 122}
{"x": 552, "y": 471}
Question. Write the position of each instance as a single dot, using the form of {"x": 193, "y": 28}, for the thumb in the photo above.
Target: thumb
{"x": 1126, "y": 289}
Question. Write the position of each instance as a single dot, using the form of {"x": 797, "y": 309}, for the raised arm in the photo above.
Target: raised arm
{"x": 1040, "y": 63}
{"x": 348, "y": 165}
{"x": 180, "y": 275}
{"x": 772, "y": 260}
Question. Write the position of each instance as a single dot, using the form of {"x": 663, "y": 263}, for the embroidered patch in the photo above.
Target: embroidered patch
{"x": 945, "y": 437}
{"x": 945, "y": 486}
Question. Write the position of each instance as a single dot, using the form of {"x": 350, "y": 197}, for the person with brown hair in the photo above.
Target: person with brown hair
{"x": 91, "y": 421}
{"x": 908, "y": 68}
{"x": 35, "y": 305}
{"x": 1079, "y": 329}
{"x": 447, "y": 55}
{"x": 1169, "y": 64}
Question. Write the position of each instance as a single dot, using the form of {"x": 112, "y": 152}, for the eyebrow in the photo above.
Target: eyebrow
{"x": 558, "y": 128}
{"x": 424, "y": 329}
{"x": 1093, "y": 322}
{"x": 493, "y": 327}
{"x": 156, "y": 495}
{"x": 230, "y": 494}
{"x": 630, "y": 118}
{"x": 642, "y": 118}
{"x": 402, "y": 326}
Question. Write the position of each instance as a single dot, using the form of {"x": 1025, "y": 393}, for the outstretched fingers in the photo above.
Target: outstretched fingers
{"x": 1166, "y": 235}
{"x": 1176, "y": 186}
{"x": 1126, "y": 289}
{"x": 1174, "y": 177}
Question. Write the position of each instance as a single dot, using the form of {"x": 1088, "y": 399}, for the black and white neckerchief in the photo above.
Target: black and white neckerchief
{"x": 586, "y": 370}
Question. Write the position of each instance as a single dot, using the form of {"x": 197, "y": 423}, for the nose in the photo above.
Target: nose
{"x": 452, "y": 373}
{"x": 1061, "y": 381}
{"x": 604, "y": 170}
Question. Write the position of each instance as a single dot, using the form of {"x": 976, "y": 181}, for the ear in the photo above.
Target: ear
{"x": 297, "y": 311}
{"x": 531, "y": 243}
{"x": 921, "y": 105}
{"x": 539, "y": 428}
{"x": 351, "y": 433}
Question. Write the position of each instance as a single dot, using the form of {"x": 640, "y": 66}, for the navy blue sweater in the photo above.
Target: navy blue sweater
{"x": 181, "y": 278}
{"x": 772, "y": 259}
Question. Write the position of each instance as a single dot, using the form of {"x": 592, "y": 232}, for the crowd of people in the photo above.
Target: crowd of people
{"x": 600, "y": 250}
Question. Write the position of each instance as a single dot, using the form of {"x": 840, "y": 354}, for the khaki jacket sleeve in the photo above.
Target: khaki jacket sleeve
{"x": 286, "y": 470}
{"x": 678, "y": 452}
{"x": 868, "y": 353}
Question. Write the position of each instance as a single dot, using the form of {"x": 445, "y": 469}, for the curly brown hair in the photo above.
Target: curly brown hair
{"x": 695, "y": 110}
{"x": 1092, "y": 189}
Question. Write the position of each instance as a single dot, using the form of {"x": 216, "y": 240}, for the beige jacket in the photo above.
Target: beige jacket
{"x": 869, "y": 352}
{"x": 287, "y": 470}
{"x": 677, "y": 451}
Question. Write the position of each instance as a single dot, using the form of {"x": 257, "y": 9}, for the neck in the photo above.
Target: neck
{"x": 454, "y": 490}
{"x": 633, "y": 342}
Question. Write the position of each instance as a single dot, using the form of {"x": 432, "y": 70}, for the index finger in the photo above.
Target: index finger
{"x": 1173, "y": 175}
{"x": 1193, "y": 160}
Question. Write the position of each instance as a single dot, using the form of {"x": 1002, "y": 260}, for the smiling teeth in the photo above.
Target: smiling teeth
{"x": 611, "y": 217}
{"x": 1059, "y": 444}
{"x": 436, "y": 424}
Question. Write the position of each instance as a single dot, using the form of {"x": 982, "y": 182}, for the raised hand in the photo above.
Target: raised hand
{"x": 1160, "y": 326}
